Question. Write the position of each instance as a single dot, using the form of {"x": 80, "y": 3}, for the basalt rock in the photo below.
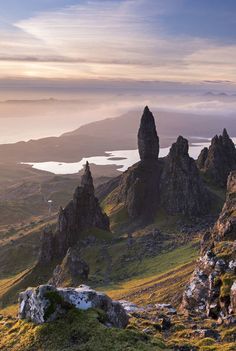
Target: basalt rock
{"x": 82, "y": 212}
{"x": 73, "y": 271}
{"x": 148, "y": 141}
{"x": 182, "y": 190}
{"x": 47, "y": 245}
{"x": 139, "y": 190}
{"x": 225, "y": 227}
{"x": 46, "y": 303}
{"x": 139, "y": 185}
{"x": 211, "y": 290}
{"x": 219, "y": 160}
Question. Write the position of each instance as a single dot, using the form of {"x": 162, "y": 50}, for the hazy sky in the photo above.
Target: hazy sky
{"x": 164, "y": 40}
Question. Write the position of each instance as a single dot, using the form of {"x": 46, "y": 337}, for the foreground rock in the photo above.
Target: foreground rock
{"x": 73, "y": 271}
{"x": 46, "y": 303}
{"x": 211, "y": 290}
{"x": 219, "y": 160}
{"x": 182, "y": 190}
{"x": 81, "y": 213}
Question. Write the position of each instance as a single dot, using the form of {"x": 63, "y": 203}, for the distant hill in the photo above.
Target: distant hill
{"x": 114, "y": 134}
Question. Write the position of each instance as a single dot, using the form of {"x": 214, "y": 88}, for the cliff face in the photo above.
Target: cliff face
{"x": 225, "y": 227}
{"x": 139, "y": 185}
{"x": 219, "y": 160}
{"x": 81, "y": 213}
{"x": 173, "y": 182}
{"x": 212, "y": 288}
{"x": 182, "y": 190}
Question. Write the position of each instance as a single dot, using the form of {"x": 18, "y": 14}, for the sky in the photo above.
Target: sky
{"x": 112, "y": 56}
{"x": 144, "y": 40}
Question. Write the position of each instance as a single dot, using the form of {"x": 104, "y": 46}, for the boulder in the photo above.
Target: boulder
{"x": 182, "y": 190}
{"x": 72, "y": 271}
{"x": 47, "y": 303}
{"x": 219, "y": 160}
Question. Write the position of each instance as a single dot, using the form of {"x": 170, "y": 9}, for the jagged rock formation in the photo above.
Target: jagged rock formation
{"x": 73, "y": 271}
{"x": 81, "y": 213}
{"x": 139, "y": 185}
{"x": 182, "y": 190}
{"x": 46, "y": 303}
{"x": 225, "y": 227}
{"x": 219, "y": 160}
{"x": 148, "y": 141}
{"x": 211, "y": 290}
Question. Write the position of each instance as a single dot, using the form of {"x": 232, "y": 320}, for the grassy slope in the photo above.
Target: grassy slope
{"x": 78, "y": 330}
{"x": 158, "y": 279}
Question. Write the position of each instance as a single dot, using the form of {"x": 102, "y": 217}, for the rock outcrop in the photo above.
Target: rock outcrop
{"x": 139, "y": 185}
{"x": 46, "y": 303}
{"x": 73, "y": 271}
{"x": 82, "y": 212}
{"x": 182, "y": 190}
{"x": 225, "y": 227}
{"x": 148, "y": 141}
{"x": 219, "y": 160}
{"x": 211, "y": 290}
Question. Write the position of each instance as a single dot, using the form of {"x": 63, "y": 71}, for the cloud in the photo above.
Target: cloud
{"x": 111, "y": 40}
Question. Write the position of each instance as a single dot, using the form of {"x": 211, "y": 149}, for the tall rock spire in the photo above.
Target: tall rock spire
{"x": 148, "y": 141}
{"x": 87, "y": 179}
{"x": 139, "y": 185}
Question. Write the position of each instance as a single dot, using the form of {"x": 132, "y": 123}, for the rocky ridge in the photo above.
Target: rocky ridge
{"x": 173, "y": 182}
{"x": 82, "y": 213}
{"x": 211, "y": 290}
{"x": 219, "y": 160}
{"x": 182, "y": 190}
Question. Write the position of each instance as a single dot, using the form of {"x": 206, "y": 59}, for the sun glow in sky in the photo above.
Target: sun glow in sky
{"x": 167, "y": 40}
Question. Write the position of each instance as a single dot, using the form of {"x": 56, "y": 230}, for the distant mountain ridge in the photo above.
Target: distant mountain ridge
{"x": 118, "y": 133}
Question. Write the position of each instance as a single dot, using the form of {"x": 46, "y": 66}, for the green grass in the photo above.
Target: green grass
{"x": 99, "y": 234}
{"x": 77, "y": 331}
{"x": 137, "y": 279}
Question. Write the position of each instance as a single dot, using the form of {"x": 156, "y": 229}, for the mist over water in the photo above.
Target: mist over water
{"x": 50, "y": 113}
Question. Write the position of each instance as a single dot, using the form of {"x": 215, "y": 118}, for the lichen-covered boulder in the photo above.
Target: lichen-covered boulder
{"x": 46, "y": 303}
